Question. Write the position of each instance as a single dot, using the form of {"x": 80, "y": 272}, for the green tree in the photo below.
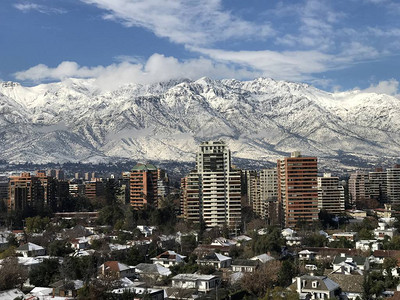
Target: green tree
{"x": 59, "y": 248}
{"x": 12, "y": 274}
{"x": 12, "y": 240}
{"x": 44, "y": 273}
{"x": 287, "y": 271}
{"x": 36, "y": 224}
{"x": 365, "y": 234}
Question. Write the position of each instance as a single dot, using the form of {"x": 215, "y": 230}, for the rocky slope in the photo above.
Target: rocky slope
{"x": 261, "y": 120}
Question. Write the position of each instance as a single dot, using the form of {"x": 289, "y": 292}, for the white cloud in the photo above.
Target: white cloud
{"x": 190, "y": 22}
{"x": 389, "y": 87}
{"x": 157, "y": 68}
{"x": 291, "y": 65}
{"x": 27, "y": 7}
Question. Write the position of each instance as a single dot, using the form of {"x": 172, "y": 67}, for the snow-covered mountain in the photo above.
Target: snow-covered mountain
{"x": 260, "y": 120}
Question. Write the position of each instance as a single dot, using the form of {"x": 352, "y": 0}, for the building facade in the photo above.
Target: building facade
{"x": 143, "y": 187}
{"x": 212, "y": 192}
{"x": 331, "y": 194}
{"x": 298, "y": 189}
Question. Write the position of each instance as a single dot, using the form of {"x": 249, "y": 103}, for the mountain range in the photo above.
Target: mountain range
{"x": 261, "y": 120}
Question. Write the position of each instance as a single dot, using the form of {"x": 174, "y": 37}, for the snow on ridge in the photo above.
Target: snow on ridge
{"x": 260, "y": 119}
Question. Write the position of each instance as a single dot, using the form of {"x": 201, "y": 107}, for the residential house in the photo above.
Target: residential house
{"x": 316, "y": 287}
{"x": 306, "y": 255}
{"x": 368, "y": 245}
{"x": 80, "y": 243}
{"x": 384, "y": 230}
{"x": 202, "y": 283}
{"x": 168, "y": 258}
{"x": 64, "y": 288}
{"x": 216, "y": 260}
{"x": 348, "y": 264}
{"x": 142, "y": 293}
{"x": 12, "y": 294}
{"x": 115, "y": 267}
{"x": 146, "y": 230}
{"x": 31, "y": 250}
{"x": 244, "y": 265}
{"x": 151, "y": 271}
{"x": 350, "y": 236}
{"x": 263, "y": 258}
{"x": 380, "y": 255}
{"x": 352, "y": 287}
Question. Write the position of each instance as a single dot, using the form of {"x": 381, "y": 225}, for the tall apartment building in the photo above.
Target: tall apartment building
{"x": 298, "y": 188}
{"x": 378, "y": 185}
{"x": 49, "y": 185}
{"x": 269, "y": 194}
{"x": 262, "y": 192}
{"x": 4, "y": 192}
{"x": 331, "y": 194}
{"x": 358, "y": 188}
{"x": 143, "y": 186}
{"x": 57, "y": 174}
{"x": 393, "y": 185}
{"x": 94, "y": 190}
{"x": 25, "y": 191}
{"x": 213, "y": 191}
{"x": 190, "y": 192}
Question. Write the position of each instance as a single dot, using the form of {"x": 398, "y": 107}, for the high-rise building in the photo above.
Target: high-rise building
{"x": 269, "y": 194}
{"x": 298, "y": 188}
{"x": 4, "y": 192}
{"x": 143, "y": 185}
{"x": 262, "y": 189}
{"x": 25, "y": 191}
{"x": 330, "y": 194}
{"x": 393, "y": 185}
{"x": 49, "y": 185}
{"x": 213, "y": 191}
{"x": 94, "y": 190}
{"x": 190, "y": 193}
{"x": 378, "y": 185}
{"x": 358, "y": 188}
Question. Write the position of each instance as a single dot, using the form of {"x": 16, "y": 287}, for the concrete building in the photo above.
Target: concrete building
{"x": 143, "y": 185}
{"x": 213, "y": 191}
{"x": 24, "y": 191}
{"x": 298, "y": 188}
{"x": 378, "y": 185}
{"x": 393, "y": 185}
{"x": 358, "y": 188}
{"x": 94, "y": 190}
{"x": 330, "y": 194}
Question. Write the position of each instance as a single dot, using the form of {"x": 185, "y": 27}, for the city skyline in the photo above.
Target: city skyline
{"x": 335, "y": 46}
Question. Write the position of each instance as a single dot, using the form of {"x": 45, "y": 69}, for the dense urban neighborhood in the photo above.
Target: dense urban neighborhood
{"x": 219, "y": 232}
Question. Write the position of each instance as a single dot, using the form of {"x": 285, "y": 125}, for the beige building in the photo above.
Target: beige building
{"x": 330, "y": 194}
{"x": 212, "y": 192}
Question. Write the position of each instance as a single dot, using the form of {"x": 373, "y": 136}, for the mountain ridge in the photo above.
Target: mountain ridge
{"x": 261, "y": 119}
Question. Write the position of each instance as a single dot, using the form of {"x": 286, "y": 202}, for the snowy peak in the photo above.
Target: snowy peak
{"x": 260, "y": 119}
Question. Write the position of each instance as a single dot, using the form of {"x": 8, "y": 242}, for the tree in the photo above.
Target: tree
{"x": 12, "y": 274}
{"x": 12, "y": 240}
{"x": 44, "y": 273}
{"x": 36, "y": 224}
{"x": 314, "y": 240}
{"x": 59, "y": 248}
{"x": 264, "y": 278}
{"x": 272, "y": 241}
{"x": 286, "y": 273}
{"x": 279, "y": 293}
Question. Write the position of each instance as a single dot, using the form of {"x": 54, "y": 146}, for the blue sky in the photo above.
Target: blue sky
{"x": 334, "y": 45}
